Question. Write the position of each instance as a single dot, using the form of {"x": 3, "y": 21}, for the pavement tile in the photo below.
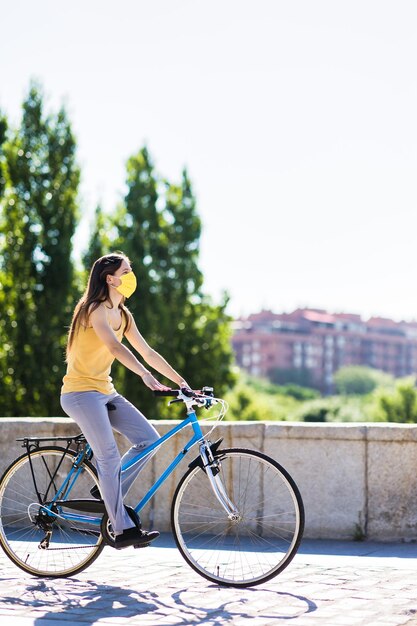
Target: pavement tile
{"x": 396, "y": 621}
{"x": 321, "y": 587}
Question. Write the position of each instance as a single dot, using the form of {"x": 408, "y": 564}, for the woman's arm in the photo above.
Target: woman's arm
{"x": 104, "y": 331}
{"x": 151, "y": 356}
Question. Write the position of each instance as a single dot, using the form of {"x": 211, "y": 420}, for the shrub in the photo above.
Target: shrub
{"x": 249, "y": 401}
{"x": 314, "y": 411}
{"x": 332, "y": 409}
{"x": 399, "y": 405}
{"x": 298, "y": 392}
{"x": 360, "y": 380}
{"x": 291, "y": 389}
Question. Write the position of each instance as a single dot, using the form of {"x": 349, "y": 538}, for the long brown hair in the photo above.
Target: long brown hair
{"x": 97, "y": 291}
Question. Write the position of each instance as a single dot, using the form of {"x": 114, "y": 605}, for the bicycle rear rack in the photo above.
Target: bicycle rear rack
{"x": 36, "y": 441}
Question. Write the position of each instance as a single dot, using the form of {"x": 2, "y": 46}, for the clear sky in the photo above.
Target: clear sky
{"x": 296, "y": 120}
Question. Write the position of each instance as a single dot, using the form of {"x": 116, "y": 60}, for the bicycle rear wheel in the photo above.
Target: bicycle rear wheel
{"x": 248, "y": 548}
{"x": 24, "y": 524}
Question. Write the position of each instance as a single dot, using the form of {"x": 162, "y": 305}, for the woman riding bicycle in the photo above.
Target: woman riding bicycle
{"x": 99, "y": 322}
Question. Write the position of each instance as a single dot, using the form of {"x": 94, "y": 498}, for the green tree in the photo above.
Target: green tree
{"x": 158, "y": 228}
{"x": 3, "y": 135}
{"x": 99, "y": 239}
{"x": 139, "y": 233}
{"x": 359, "y": 380}
{"x": 301, "y": 376}
{"x": 399, "y": 405}
{"x": 255, "y": 399}
{"x": 291, "y": 389}
{"x": 39, "y": 215}
{"x": 3, "y": 304}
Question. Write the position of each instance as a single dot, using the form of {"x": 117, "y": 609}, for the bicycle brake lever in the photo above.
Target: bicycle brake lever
{"x": 188, "y": 393}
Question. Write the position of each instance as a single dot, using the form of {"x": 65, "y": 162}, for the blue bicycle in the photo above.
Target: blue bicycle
{"x": 237, "y": 516}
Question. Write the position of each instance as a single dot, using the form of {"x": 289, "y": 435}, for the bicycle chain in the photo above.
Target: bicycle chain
{"x": 69, "y": 548}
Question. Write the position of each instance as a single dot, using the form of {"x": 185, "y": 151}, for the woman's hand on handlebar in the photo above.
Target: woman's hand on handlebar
{"x": 184, "y": 386}
{"x": 151, "y": 382}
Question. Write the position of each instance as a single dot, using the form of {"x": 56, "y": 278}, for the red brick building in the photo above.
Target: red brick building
{"x": 317, "y": 343}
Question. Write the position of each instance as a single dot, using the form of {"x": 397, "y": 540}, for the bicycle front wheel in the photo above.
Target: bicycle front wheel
{"x": 262, "y": 536}
{"x": 42, "y": 543}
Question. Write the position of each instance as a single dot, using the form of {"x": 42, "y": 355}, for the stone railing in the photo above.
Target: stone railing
{"x": 357, "y": 480}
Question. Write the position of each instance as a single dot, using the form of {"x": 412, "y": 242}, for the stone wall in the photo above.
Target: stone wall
{"x": 357, "y": 480}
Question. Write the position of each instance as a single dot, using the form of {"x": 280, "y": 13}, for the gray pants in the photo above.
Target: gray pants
{"x": 88, "y": 409}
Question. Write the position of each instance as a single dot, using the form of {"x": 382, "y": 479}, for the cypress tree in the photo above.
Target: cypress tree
{"x": 159, "y": 229}
{"x": 40, "y": 214}
{"x": 99, "y": 241}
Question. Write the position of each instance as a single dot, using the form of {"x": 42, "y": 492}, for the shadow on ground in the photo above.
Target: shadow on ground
{"x": 211, "y": 605}
{"x": 405, "y": 550}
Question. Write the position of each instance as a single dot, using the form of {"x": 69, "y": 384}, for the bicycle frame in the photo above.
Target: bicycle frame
{"x": 190, "y": 420}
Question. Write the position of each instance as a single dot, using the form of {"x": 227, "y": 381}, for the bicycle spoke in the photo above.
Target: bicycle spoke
{"x": 23, "y": 522}
{"x": 252, "y": 545}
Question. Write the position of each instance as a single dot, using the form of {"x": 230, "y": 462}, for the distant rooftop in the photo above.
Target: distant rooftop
{"x": 266, "y": 319}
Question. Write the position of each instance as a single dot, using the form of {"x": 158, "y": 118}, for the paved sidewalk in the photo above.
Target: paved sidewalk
{"x": 327, "y": 584}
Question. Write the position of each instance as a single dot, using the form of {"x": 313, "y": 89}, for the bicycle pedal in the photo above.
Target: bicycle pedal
{"x": 142, "y": 545}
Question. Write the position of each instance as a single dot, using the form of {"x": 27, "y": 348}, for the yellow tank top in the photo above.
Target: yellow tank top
{"x": 89, "y": 362}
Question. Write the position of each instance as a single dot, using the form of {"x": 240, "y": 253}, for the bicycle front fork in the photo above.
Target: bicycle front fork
{"x": 212, "y": 468}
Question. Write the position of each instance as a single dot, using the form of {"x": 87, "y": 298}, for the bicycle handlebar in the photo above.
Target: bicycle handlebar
{"x": 191, "y": 397}
{"x": 184, "y": 391}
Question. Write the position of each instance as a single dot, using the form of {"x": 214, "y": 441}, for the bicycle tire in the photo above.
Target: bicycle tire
{"x": 262, "y": 542}
{"x": 73, "y": 546}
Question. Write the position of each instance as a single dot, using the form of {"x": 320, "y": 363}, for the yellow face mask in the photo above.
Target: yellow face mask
{"x": 128, "y": 284}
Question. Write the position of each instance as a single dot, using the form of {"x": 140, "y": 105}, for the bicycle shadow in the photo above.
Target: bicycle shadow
{"x": 91, "y": 601}
{"x": 232, "y": 610}
{"x": 86, "y": 599}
